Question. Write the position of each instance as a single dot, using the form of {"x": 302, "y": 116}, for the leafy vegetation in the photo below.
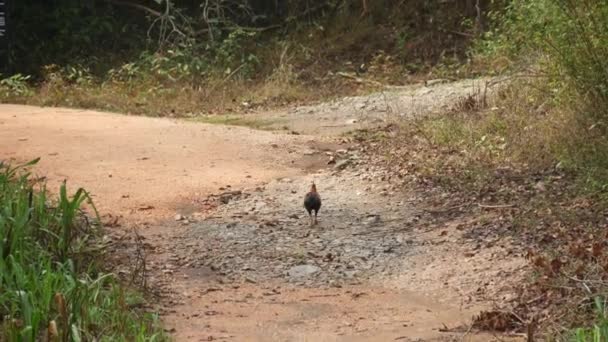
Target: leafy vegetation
{"x": 52, "y": 286}
{"x": 599, "y": 332}
{"x": 566, "y": 40}
{"x": 188, "y": 57}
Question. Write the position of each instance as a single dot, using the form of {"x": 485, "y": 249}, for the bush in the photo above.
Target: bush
{"x": 566, "y": 41}
{"x": 14, "y": 86}
{"x": 51, "y": 286}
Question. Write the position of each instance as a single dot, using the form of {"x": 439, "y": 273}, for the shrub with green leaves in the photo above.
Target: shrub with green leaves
{"x": 15, "y": 86}
{"x": 570, "y": 38}
{"x": 566, "y": 42}
{"x": 50, "y": 285}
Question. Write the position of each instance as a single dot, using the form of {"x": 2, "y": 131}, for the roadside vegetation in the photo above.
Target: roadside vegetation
{"x": 52, "y": 279}
{"x": 536, "y": 152}
{"x": 190, "y": 58}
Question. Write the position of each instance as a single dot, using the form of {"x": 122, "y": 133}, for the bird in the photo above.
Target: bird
{"x": 312, "y": 202}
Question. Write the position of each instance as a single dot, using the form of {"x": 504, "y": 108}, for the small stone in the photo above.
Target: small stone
{"x": 335, "y": 284}
{"x": 303, "y": 271}
{"x": 178, "y": 217}
{"x": 540, "y": 187}
{"x": 350, "y": 274}
{"x": 342, "y": 164}
{"x": 372, "y": 219}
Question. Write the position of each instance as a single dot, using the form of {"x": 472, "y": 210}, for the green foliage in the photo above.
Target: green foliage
{"x": 234, "y": 52}
{"x": 15, "y": 86}
{"x": 569, "y": 38}
{"x": 48, "y": 274}
{"x": 599, "y": 331}
{"x": 568, "y": 43}
{"x": 71, "y": 32}
{"x": 136, "y": 56}
{"x": 97, "y": 35}
{"x": 193, "y": 62}
{"x": 517, "y": 30}
{"x": 179, "y": 63}
{"x": 78, "y": 74}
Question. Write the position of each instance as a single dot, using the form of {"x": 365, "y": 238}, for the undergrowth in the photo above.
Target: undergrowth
{"x": 507, "y": 158}
{"x": 51, "y": 285}
{"x": 562, "y": 43}
{"x": 191, "y": 62}
{"x": 599, "y": 331}
{"x": 155, "y": 89}
{"x": 537, "y": 150}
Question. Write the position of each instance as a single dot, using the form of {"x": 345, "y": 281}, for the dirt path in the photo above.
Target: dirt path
{"x": 220, "y": 210}
{"x": 393, "y": 104}
{"x": 130, "y": 163}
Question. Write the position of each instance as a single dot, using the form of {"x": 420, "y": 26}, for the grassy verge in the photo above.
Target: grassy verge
{"x": 538, "y": 154}
{"x": 152, "y": 94}
{"x": 51, "y": 285}
{"x": 333, "y": 52}
{"x": 533, "y": 163}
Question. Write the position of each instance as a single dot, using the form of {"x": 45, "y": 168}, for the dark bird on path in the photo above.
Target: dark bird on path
{"x": 312, "y": 202}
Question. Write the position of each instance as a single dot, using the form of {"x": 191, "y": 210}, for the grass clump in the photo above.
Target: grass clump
{"x": 51, "y": 286}
{"x": 599, "y": 331}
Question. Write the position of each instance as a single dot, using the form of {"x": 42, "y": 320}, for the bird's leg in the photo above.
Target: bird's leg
{"x": 316, "y": 222}
{"x": 310, "y": 219}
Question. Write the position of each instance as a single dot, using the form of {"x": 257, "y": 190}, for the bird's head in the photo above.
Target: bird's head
{"x": 313, "y": 187}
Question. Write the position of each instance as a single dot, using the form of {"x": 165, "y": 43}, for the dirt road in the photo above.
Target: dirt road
{"x": 130, "y": 162}
{"x": 244, "y": 265}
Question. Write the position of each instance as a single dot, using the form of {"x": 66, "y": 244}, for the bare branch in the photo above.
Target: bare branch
{"x": 137, "y": 6}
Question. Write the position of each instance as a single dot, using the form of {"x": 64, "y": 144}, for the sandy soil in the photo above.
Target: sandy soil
{"x": 130, "y": 163}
